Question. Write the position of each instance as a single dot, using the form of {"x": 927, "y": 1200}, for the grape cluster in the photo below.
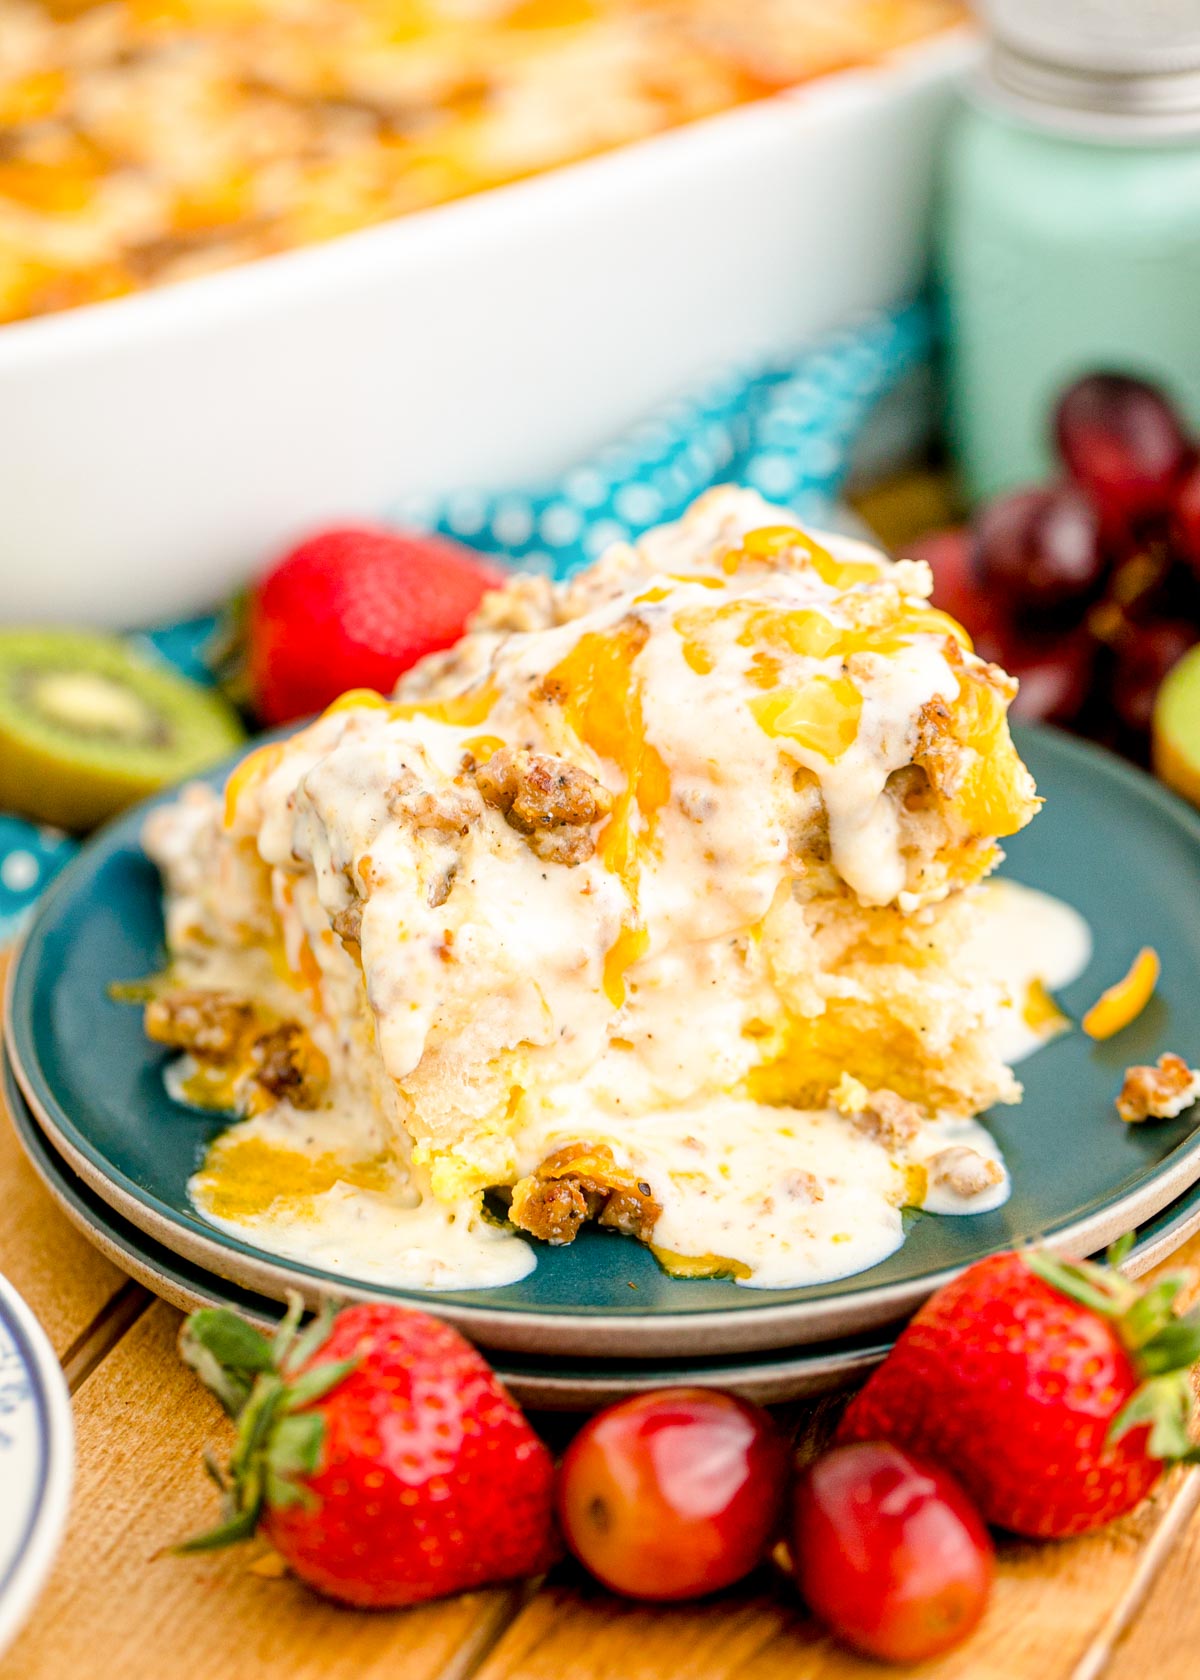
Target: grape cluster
{"x": 1088, "y": 589}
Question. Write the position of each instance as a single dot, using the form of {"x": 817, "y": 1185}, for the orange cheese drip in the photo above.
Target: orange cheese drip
{"x": 602, "y": 702}
{"x": 1040, "y": 1012}
{"x": 772, "y": 540}
{"x": 460, "y": 711}
{"x": 765, "y": 669}
{"x": 820, "y": 715}
{"x": 356, "y": 699}
{"x": 805, "y": 632}
{"x": 991, "y": 797}
{"x": 482, "y": 747}
{"x": 306, "y": 970}
{"x": 821, "y": 711}
{"x": 701, "y": 659}
{"x": 1124, "y": 1001}
{"x": 245, "y": 1178}
{"x": 630, "y": 945}
{"x": 310, "y": 974}
{"x": 254, "y": 768}
{"x": 550, "y": 14}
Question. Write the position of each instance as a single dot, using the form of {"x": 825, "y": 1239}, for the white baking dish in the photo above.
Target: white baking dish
{"x": 155, "y": 449}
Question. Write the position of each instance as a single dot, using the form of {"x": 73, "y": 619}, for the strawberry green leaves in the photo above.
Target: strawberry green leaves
{"x": 377, "y": 1453}
{"x": 1163, "y": 1345}
{"x": 226, "y": 1354}
{"x": 264, "y": 1387}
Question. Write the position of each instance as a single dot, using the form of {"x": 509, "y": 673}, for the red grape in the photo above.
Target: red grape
{"x": 1145, "y": 653}
{"x": 1054, "y": 670}
{"x": 890, "y": 1552}
{"x": 1186, "y": 525}
{"x": 1122, "y": 441}
{"x": 674, "y": 1493}
{"x": 1041, "y": 548}
{"x": 956, "y": 585}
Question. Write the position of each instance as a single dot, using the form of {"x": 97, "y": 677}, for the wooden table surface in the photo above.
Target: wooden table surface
{"x": 1120, "y": 1605}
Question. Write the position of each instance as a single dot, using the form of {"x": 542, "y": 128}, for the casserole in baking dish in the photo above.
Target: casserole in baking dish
{"x": 152, "y": 140}
{"x": 155, "y": 448}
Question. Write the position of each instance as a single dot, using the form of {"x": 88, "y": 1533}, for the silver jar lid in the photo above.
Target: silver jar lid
{"x": 1103, "y": 69}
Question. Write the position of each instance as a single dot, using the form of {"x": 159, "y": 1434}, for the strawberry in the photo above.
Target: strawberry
{"x": 1055, "y": 1391}
{"x": 377, "y": 1452}
{"x": 354, "y": 607}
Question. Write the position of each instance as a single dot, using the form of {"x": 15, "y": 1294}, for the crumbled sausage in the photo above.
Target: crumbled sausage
{"x": 538, "y": 791}
{"x": 444, "y": 817}
{"x": 215, "y": 1027}
{"x": 526, "y": 602}
{"x": 450, "y": 811}
{"x": 209, "y": 1025}
{"x": 888, "y": 1118}
{"x": 568, "y": 846}
{"x": 1158, "y": 1093}
{"x": 439, "y": 887}
{"x": 552, "y": 1211}
{"x": 287, "y": 1064}
{"x": 963, "y": 1171}
{"x": 555, "y": 1200}
{"x": 936, "y": 750}
{"x": 551, "y": 801}
{"x": 347, "y": 924}
{"x": 631, "y": 1213}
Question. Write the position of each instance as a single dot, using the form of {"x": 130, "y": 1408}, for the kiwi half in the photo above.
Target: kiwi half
{"x": 89, "y": 725}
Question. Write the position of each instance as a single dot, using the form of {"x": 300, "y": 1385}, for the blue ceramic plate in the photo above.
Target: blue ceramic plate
{"x": 549, "y": 1382}
{"x": 35, "y": 1459}
{"x": 1110, "y": 841}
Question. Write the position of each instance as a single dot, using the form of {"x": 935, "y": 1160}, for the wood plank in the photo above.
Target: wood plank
{"x": 115, "y": 1604}
{"x": 1047, "y": 1603}
{"x": 1050, "y": 1605}
{"x": 68, "y": 1284}
{"x": 119, "y": 1603}
{"x": 1162, "y": 1638}
{"x": 1123, "y": 1622}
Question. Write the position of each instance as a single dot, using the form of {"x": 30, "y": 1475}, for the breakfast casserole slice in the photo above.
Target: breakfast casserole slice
{"x": 654, "y": 902}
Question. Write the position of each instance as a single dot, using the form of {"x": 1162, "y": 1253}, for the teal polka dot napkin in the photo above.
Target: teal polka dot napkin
{"x": 786, "y": 428}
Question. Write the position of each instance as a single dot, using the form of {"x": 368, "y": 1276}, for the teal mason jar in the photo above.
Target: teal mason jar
{"x": 1069, "y": 234}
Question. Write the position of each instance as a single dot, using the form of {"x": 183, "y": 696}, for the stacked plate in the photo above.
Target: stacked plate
{"x": 599, "y": 1319}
